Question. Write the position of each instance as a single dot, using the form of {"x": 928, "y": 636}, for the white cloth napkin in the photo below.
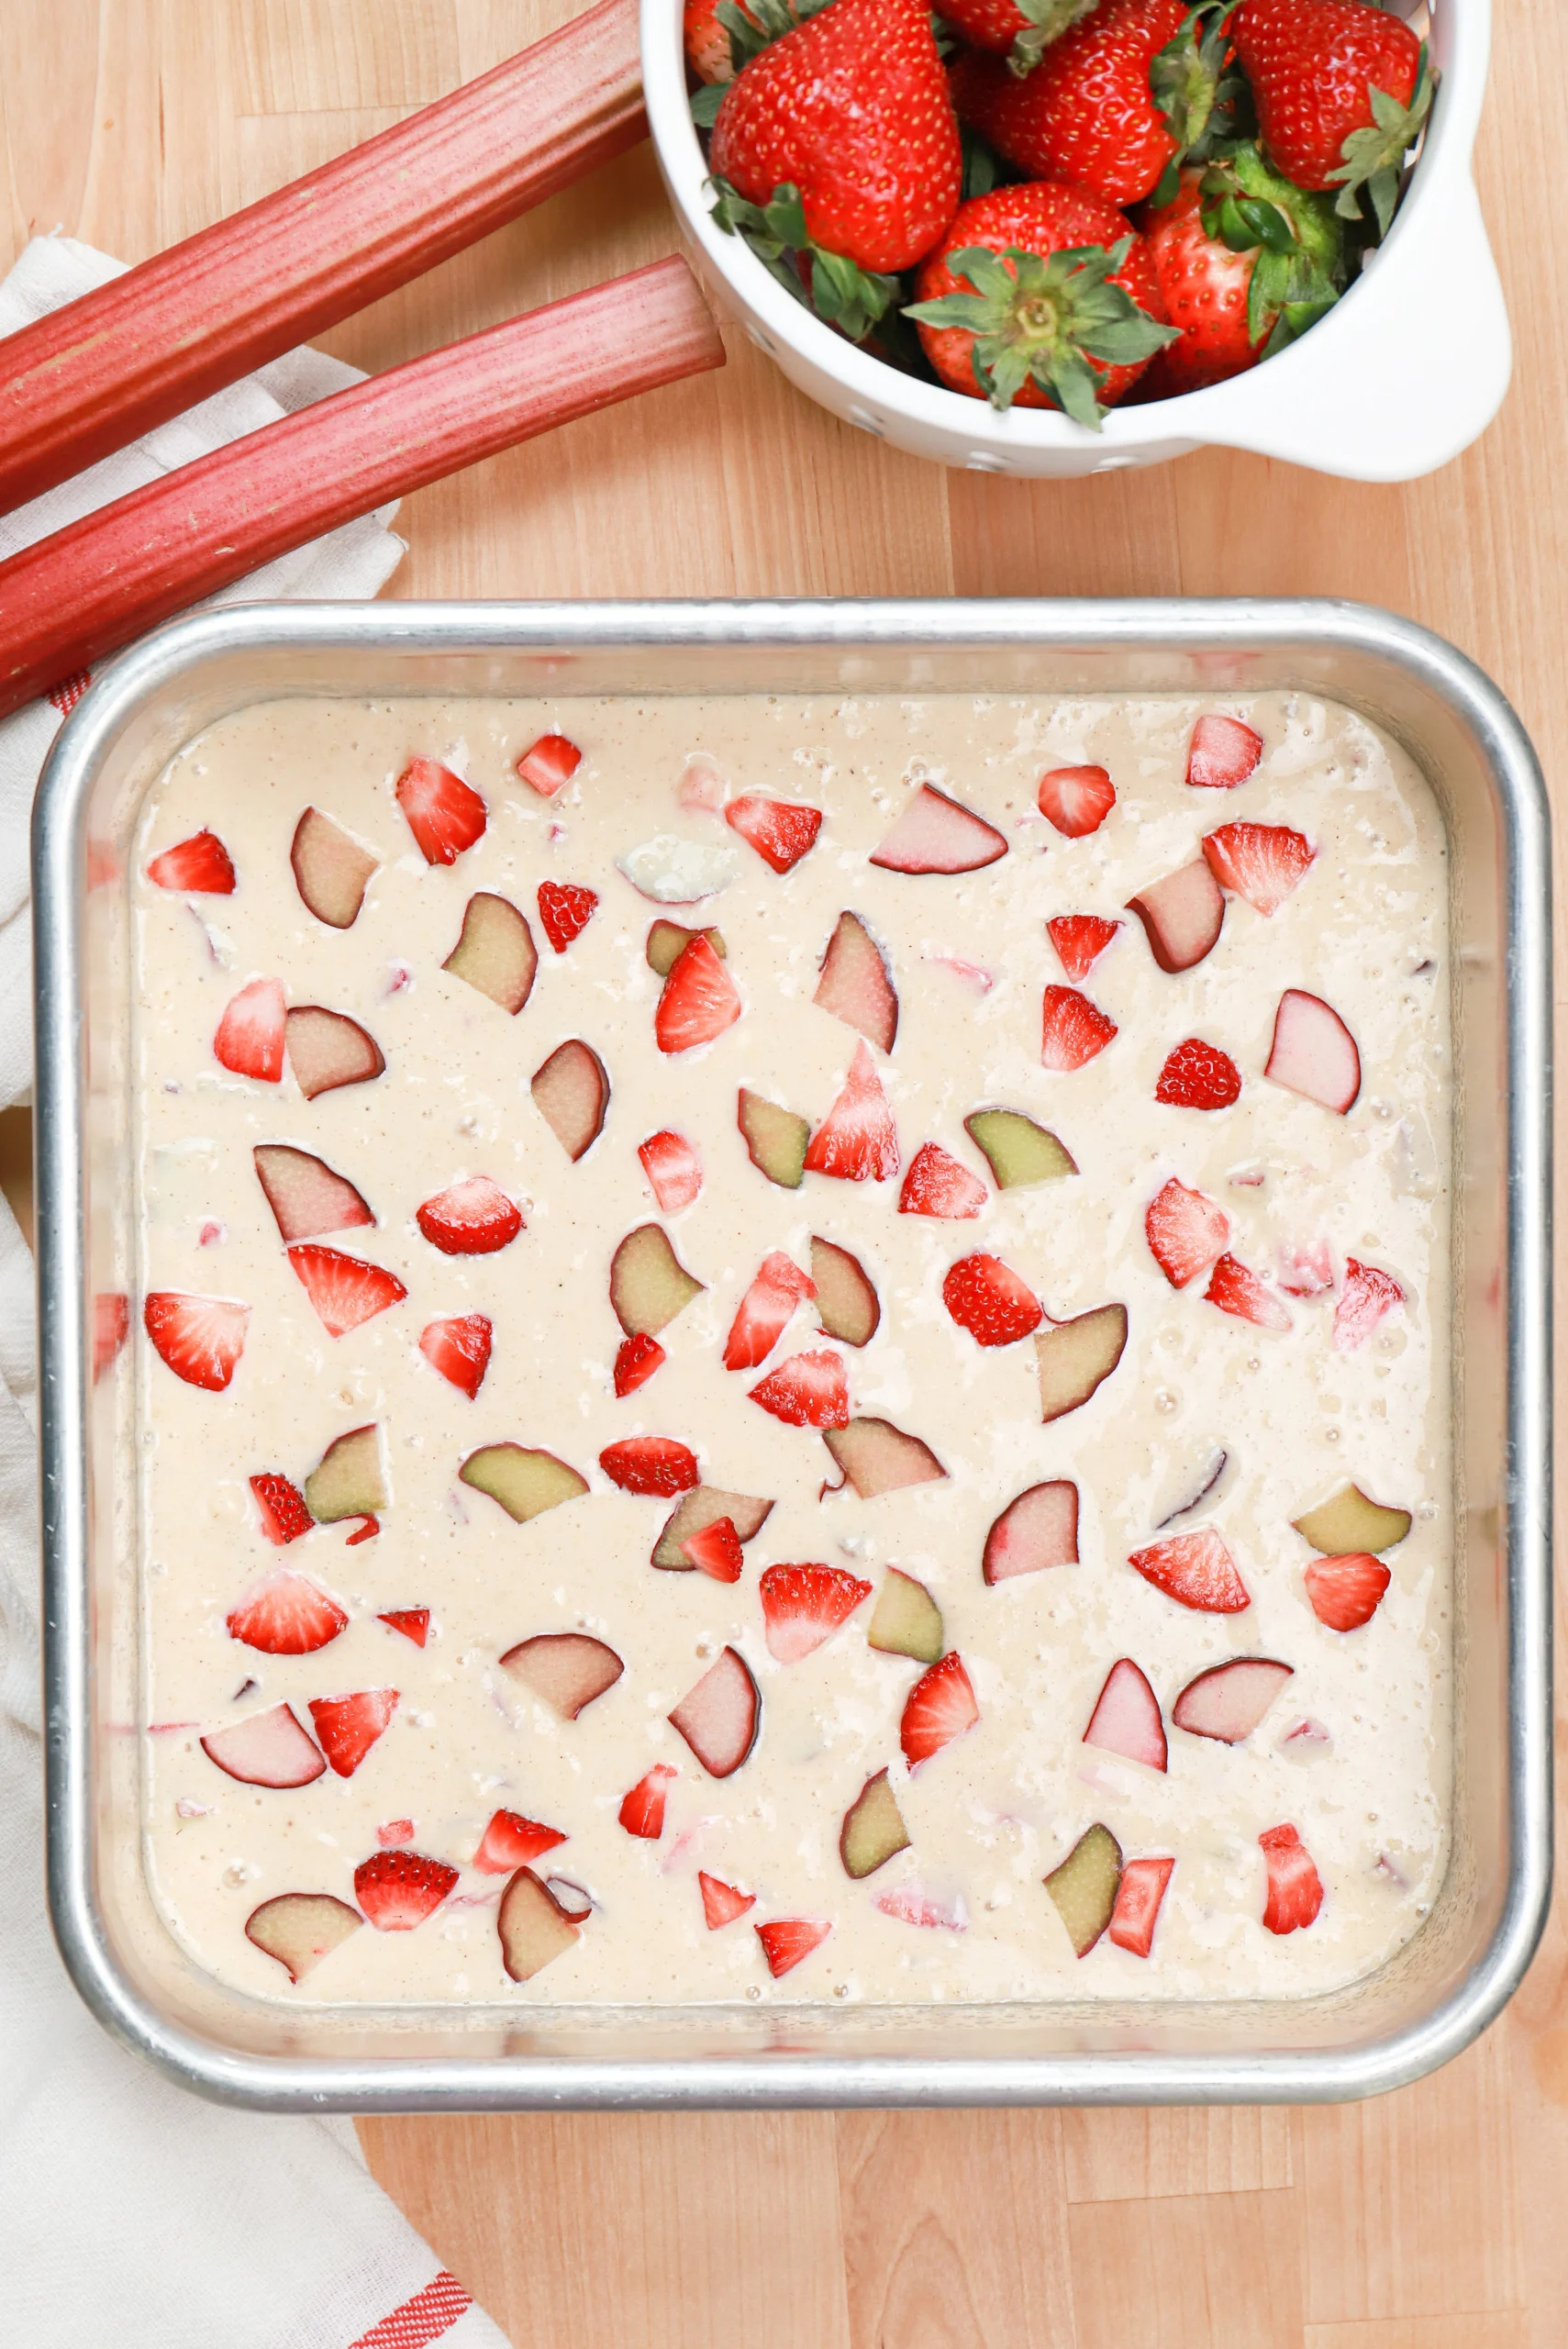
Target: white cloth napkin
{"x": 131, "y": 2212}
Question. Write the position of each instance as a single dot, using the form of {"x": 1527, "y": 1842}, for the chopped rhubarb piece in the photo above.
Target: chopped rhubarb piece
{"x": 720, "y": 1717}
{"x": 637, "y": 1359}
{"x": 1346, "y": 1592}
{"x": 523, "y": 1482}
{"x": 495, "y": 953}
{"x": 413, "y": 1622}
{"x": 1195, "y": 1569}
{"x": 281, "y": 1509}
{"x": 1236, "y": 1290}
{"x": 1198, "y": 1075}
{"x": 1037, "y": 1528}
{"x": 331, "y": 869}
{"x": 906, "y": 1619}
{"x": 807, "y": 1391}
{"x": 549, "y": 764}
{"x": 1295, "y": 1889}
{"x": 938, "y": 1708}
{"x": 781, "y": 831}
{"x": 1197, "y": 1494}
{"x": 989, "y": 1299}
{"x": 847, "y": 1303}
{"x": 444, "y": 814}
{"x": 326, "y": 1049}
{"x": 1182, "y": 916}
{"x": 249, "y": 1037}
{"x": 348, "y": 1479}
{"x": 857, "y": 1140}
{"x": 1126, "y": 1719}
{"x": 715, "y": 1550}
{"x": 398, "y": 1890}
{"x": 344, "y": 1290}
{"x": 873, "y": 1831}
{"x": 111, "y": 1327}
{"x": 1305, "y": 1271}
{"x": 200, "y": 867}
{"x": 937, "y": 1185}
{"x": 721, "y": 1902}
{"x": 673, "y": 1169}
{"x": 347, "y": 1726}
{"x": 913, "y": 1907}
{"x": 804, "y": 1606}
{"x": 1137, "y": 1898}
{"x": 1366, "y": 1297}
{"x": 270, "y": 1749}
{"x": 788, "y": 1940}
{"x": 1073, "y": 1030}
{"x": 1349, "y": 1522}
{"x": 300, "y": 1929}
{"x": 565, "y": 1670}
{"x": 642, "y": 1810}
{"x": 699, "y": 1002}
{"x": 1019, "y": 1153}
{"x": 1083, "y": 1888}
{"x": 667, "y": 941}
{"x": 973, "y": 974}
{"x": 1075, "y": 1358}
{"x": 1229, "y": 1700}
{"x": 764, "y": 1312}
{"x": 1223, "y": 752}
{"x": 200, "y": 1338}
{"x": 512, "y": 1842}
{"x": 534, "y": 1927}
{"x": 775, "y": 1140}
{"x": 472, "y": 1217}
{"x": 565, "y": 909}
{"x": 1262, "y": 863}
{"x": 648, "y": 1285}
{"x": 935, "y": 834}
{"x": 1185, "y": 1231}
{"x": 874, "y": 1456}
{"x": 651, "y": 1464}
{"x": 459, "y": 1347}
{"x": 703, "y": 1508}
{"x": 856, "y": 986}
{"x": 306, "y": 1197}
{"x": 1076, "y": 799}
{"x": 572, "y": 1092}
{"x": 1314, "y": 1053}
{"x": 286, "y": 1615}
{"x": 1080, "y": 939}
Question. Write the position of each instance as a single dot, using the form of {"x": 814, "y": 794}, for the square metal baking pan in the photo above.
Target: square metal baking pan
{"x": 1422, "y": 2007}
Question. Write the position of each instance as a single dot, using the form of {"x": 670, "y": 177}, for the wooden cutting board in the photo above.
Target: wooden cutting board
{"x": 1435, "y": 2219}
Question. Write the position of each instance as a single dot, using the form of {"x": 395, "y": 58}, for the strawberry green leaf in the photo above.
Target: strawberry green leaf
{"x": 1199, "y": 89}
{"x": 706, "y": 103}
{"x": 842, "y": 294}
{"x": 1044, "y": 322}
{"x": 1373, "y": 158}
{"x": 1044, "y": 21}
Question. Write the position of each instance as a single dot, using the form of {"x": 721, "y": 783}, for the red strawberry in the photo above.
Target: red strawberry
{"x": 1073, "y": 1030}
{"x": 988, "y": 1298}
{"x": 414, "y": 1623}
{"x": 511, "y": 1842}
{"x": 699, "y": 1001}
{"x": 1076, "y": 799}
{"x": 1236, "y": 1290}
{"x": 343, "y": 1290}
{"x": 1001, "y": 27}
{"x": 1305, "y": 1271}
{"x": 721, "y": 1903}
{"x": 807, "y": 1391}
{"x": 1137, "y": 1898}
{"x": 1342, "y": 92}
{"x": 1080, "y": 939}
{"x": 1346, "y": 1592}
{"x": 549, "y": 764}
{"x": 1223, "y": 752}
{"x": 472, "y": 1217}
{"x": 706, "y": 43}
{"x": 366, "y": 1531}
{"x": 642, "y": 1810}
{"x": 1295, "y": 1889}
{"x": 1088, "y": 111}
{"x": 286, "y": 1615}
{"x": 1198, "y": 1076}
{"x": 1185, "y": 1231}
{"x": 200, "y": 1338}
{"x": 444, "y": 816}
{"x": 347, "y": 1726}
{"x": 857, "y": 1140}
{"x": 788, "y": 1940}
{"x": 1261, "y": 863}
{"x": 1072, "y": 325}
{"x": 281, "y": 1509}
{"x": 200, "y": 867}
{"x": 651, "y": 1464}
{"x": 398, "y": 1890}
{"x": 249, "y": 1037}
{"x": 459, "y": 1348}
{"x": 715, "y": 1550}
{"x": 937, "y": 1185}
{"x": 804, "y": 1606}
{"x": 393, "y": 1831}
{"x": 1195, "y": 1569}
{"x": 764, "y": 1312}
{"x": 781, "y": 831}
{"x": 636, "y": 1363}
{"x": 111, "y": 1327}
{"x": 938, "y": 1708}
{"x": 1367, "y": 1296}
{"x": 852, "y": 109}
{"x": 674, "y": 1168}
{"x": 565, "y": 909}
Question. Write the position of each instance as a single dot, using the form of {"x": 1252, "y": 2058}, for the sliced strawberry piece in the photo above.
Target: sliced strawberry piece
{"x": 913, "y": 1907}
{"x": 512, "y": 1842}
{"x": 1367, "y": 1296}
{"x": 715, "y": 1550}
{"x": 444, "y": 814}
{"x": 642, "y": 1810}
{"x": 414, "y": 1623}
{"x": 787, "y": 1940}
{"x": 721, "y": 1902}
{"x": 344, "y": 1290}
{"x": 398, "y": 1890}
{"x": 200, "y": 1338}
{"x": 281, "y": 1508}
{"x": 249, "y": 1037}
{"x": 1346, "y": 1592}
{"x": 366, "y": 1531}
{"x": 1137, "y": 1898}
{"x": 1305, "y": 1271}
{"x": 1222, "y": 754}
{"x": 651, "y": 1464}
{"x": 565, "y": 908}
{"x": 549, "y": 764}
{"x": 699, "y": 1002}
{"x": 764, "y": 1312}
{"x": 674, "y": 1168}
{"x": 804, "y": 1606}
{"x": 781, "y": 831}
{"x": 201, "y": 867}
{"x": 1126, "y": 1719}
{"x": 1198, "y": 1076}
{"x": 938, "y": 1708}
{"x": 937, "y": 1185}
{"x": 347, "y": 1726}
{"x": 1076, "y": 799}
{"x": 1073, "y": 1030}
{"x": 935, "y": 834}
{"x": 286, "y": 1615}
{"x": 856, "y": 986}
{"x": 459, "y": 1347}
{"x": 857, "y": 1140}
{"x": 1261, "y": 863}
{"x": 636, "y": 1363}
{"x": 1295, "y": 1889}
{"x": 988, "y": 1298}
{"x": 1236, "y": 1290}
{"x": 393, "y": 1831}
{"x": 472, "y": 1217}
{"x": 1195, "y": 1569}
{"x": 1185, "y": 1231}
{"x": 1080, "y": 939}
{"x": 807, "y": 1391}
{"x": 111, "y": 1327}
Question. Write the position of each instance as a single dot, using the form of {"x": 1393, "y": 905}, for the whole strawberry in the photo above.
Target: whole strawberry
{"x": 1341, "y": 90}
{"x": 1088, "y": 111}
{"x": 1021, "y": 30}
{"x": 1065, "y": 310}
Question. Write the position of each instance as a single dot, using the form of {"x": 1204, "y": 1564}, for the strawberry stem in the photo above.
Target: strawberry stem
{"x": 1199, "y": 89}
{"x": 1045, "y": 22}
{"x": 841, "y": 293}
{"x": 1373, "y": 157}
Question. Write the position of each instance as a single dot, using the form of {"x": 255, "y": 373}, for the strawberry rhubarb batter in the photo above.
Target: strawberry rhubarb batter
{"x": 793, "y": 1349}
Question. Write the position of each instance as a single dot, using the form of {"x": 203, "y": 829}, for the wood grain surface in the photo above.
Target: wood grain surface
{"x": 1434, "y": 2219}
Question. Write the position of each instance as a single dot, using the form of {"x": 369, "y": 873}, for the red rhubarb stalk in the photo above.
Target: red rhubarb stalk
{"x": 96, "y": 375}
{"x": 70, "y": 598}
